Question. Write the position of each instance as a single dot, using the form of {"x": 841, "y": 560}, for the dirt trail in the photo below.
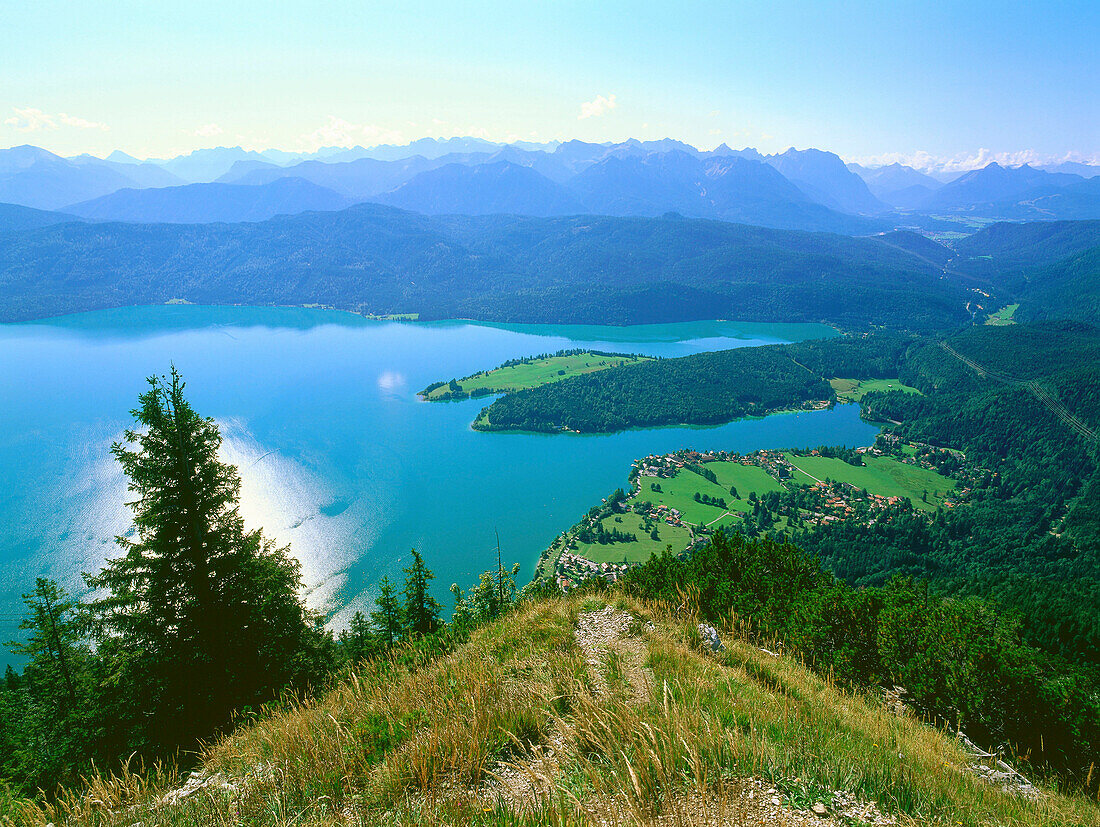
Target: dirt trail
{"x": 604, "y": 635}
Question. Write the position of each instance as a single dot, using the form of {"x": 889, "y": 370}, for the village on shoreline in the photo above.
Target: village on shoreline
{"x": 677, "y": 501}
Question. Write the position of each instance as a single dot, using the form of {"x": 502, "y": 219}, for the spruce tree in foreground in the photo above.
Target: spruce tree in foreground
{"x": 421, "y": 609}
{"x": 387, "y": 620}
{"x": 200, "y": 616}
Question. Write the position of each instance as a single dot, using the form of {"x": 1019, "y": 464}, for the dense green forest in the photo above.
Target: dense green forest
{"x": 1052, "y": 269}
{"x": 379, "y": 260}
{"x": 1029, "y": 533}
{"x": 702, "y": 389}
{"x": 961, "y": 661}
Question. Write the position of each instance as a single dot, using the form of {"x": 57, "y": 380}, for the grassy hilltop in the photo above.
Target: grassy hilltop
{"x": 578, "y": 710}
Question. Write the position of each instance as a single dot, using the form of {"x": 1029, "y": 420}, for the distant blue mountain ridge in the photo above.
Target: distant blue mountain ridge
{"x": 798, "y": 189}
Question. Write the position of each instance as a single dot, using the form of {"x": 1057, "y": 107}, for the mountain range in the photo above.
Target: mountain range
{"x": 381, "y": 260}
{"x": 797, "y": 189}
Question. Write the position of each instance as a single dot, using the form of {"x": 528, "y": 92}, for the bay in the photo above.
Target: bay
{"x": 337, "y": 455}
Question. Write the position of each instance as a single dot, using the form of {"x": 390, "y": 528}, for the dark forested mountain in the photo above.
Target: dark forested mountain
{"x": 382, "y": 260}
{"x": 1052, "y": 269}
{"x": 1007, "y": 248}
{"x": 496, "y": 188}
{"x": 919, "y": 245}
{"x": 208, "y": 203}
{"x": 1066, "y": 289}
{"x": 825, "y": 178}
{"x": 17, "y": 217}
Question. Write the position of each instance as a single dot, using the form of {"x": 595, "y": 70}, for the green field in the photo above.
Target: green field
{"x": 1003, "y": 316}
{"x": 531, "y": 374}
{"x": 676, "y": 536}
{"x": 745, "y": 478}
{"x": 853, "y": 390}
{"x": 879, "y": 475}
{"x": 679, "y": 492}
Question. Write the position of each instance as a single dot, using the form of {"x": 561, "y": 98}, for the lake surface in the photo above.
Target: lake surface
{"x": 337, "y": 455}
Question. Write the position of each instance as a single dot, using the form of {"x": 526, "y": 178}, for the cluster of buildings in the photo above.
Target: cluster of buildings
{"x": 821, "y": 503}
{"x": 573, "y": 570}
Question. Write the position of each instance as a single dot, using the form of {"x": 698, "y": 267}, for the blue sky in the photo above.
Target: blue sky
{"x": 867, "y": 80}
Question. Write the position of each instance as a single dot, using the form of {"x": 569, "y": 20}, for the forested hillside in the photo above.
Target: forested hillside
{"x": 703, "y": 389}
{"x": 381, "y": 260}
{"x": 1051, "y": 269}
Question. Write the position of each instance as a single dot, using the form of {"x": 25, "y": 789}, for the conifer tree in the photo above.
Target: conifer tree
{"x": 421, "y": 612}
{"x": 387, "y": 620}
{"x": 356, "y": 640}
{"x": 202, "y": 616}
{"x": 53, "y": 714}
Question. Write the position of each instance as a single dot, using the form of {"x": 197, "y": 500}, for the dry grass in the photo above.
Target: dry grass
{"x": 510, "y": 729}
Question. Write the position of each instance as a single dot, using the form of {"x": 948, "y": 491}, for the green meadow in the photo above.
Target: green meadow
{"x": 531, "y": 373}
{"x": 853, "y": 390}
{"x": 676, "y": 536}
{"x": 679, "y": 492}
{"x": 879, "y": 475}
{"x": 1003, "y": 316}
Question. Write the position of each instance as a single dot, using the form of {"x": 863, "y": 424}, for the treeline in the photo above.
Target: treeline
{"x": 455, "y": 390}
{"x": 576, "y": 351}
{"x": 197, "y": 622}
{"x": 702, "y": 389}
{"x": 380, "y": 261}
{"x": 962, "y": 661}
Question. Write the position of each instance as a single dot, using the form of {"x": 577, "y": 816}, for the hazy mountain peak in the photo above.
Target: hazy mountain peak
{"x": 120, "y": 157}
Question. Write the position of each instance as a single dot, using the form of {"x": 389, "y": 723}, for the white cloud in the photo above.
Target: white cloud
{"x": 339, "y": 132}
{"x": 81, "y": 123}
{"x": 33, "y": 120}
{"x": 209, "y": 130}
{"x": 596, "y": 107}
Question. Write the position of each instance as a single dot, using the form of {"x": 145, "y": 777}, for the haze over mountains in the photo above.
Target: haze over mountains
{"x": 798, "y": 189}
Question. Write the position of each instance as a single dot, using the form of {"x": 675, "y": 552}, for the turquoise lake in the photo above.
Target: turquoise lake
{"x": 337, "y": 455}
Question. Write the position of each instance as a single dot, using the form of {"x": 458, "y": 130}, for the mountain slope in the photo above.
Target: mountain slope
{"x": 571, "y": 711}
{"x": 14, "y": 217}
{"x": 825, "y": 178}
{"x": 209, "y": 203}
{"x": 36, "y": 178}
{"x": 361, "y": 179}
{"x": 486, "y": 189}
{"x": 898, "y": 185}
{"x": 380, "y": 260}
{"x": 727, "y": 188}
{"x": 205, "y": 165}
{"x": 981, "y": 189}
